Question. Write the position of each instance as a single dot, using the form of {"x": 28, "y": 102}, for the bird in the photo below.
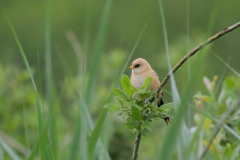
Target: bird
{"x": 141, "y": 69}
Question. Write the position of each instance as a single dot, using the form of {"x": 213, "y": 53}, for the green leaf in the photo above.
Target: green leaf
{"x": 197, "y": 118}
{"x": 112, "y": 107}
{"x": 228, "y": 84}
{"x": 145, "y": 95}
{"x": 228, "y": 151}
{"x": 207, "y": 124}
{"x": 135, "y": 113}
{"x": 163, "y": 110}
{"x": 97, "y": 130}
{"x": 119, "y": 94}
{"x": 167, "y": 106}
{"x": 146, "y": 125}
{"x": 230, "y": 130}
{"x": 121, "y": 97}
{"x": 227, "y": 89}
{"x": 145, "y": 91}
{"x": 222, "y": 109}
{"x": 144, "y": 132}
{"x": 122, "y": 101}
{"x": 208, "y": 84}
{"x": 138, "y": 107}
{"x": 132, "y": 124}
{"x": 146, "y": 85}
{"x": 126, "y": 85}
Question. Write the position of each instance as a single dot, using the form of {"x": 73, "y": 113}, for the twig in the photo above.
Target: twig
{"x": 224, "y": 117}
{"x": 195, "y": 50}
{"x": 137, "y": 142}
{"x": 174, "y": 69}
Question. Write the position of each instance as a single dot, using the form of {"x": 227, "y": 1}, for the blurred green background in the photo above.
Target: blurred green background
{"x": 76, "y": 52}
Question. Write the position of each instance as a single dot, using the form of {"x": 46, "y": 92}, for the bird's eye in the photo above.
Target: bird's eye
{"x": 137, "y": 65}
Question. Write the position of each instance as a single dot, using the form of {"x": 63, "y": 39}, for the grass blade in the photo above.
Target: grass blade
{"x": 1, "y": 152}
{"x": 171, "y": 136}
{"x": 39, "y": 111}
{"x": 75, "y": 145}
{"x": 48, "y": 65}
{"x": 26, "y": 128}
{"x": 87, "y": 26}
{"x": 53, "y": 149}
{"x": 96, "y": 132}
{"x": 40, "y": 120}
{"x": 81, "y": 128}
{"x": 40, "y": 142}
{"x": 218, "y": 127}
{"x": 100, "y": 40}
{"x": 226, "y": 64}
{"x": 9, "y": 150}
{"x": 230, "y": 130}
{"x": 188, "y": 37}
{"x": 194, "y": 139}
{"x": 182, "y": 140}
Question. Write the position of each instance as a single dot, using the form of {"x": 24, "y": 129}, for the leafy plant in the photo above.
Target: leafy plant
{"x": 225, "y": 142}
{"x": 139, "y": 107}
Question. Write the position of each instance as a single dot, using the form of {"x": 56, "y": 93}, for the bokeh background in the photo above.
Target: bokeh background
{"x": 70, "y": 31}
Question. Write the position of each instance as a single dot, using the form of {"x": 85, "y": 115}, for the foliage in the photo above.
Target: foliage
{"x": 139, "y": 107}
{"x": 69, "y": 114}
{"x": 17, "y": 98}
{"x": 225, "y": 143}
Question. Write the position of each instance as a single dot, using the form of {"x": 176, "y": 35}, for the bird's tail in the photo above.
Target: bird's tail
{"x": 167, "y": 120}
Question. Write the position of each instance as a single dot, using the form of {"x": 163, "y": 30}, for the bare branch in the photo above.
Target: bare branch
{"x": 137, "y": 142}
{"x": 179, "y": 64}
{"x": 195, "y": 50}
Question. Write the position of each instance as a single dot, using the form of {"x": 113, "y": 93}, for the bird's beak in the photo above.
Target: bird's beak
{"x": 131, "y": 67}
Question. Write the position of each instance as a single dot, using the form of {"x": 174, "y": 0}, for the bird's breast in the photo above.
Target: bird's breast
{"x": 137, "y": 81}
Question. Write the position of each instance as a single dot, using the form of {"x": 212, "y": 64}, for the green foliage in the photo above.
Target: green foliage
{"x": 112, "y": 107}
{"x": 127, "y": 87}
{"x": 138, "y": 106}
{"x": 26, "y": 122}
{"x": 227, "y": 140}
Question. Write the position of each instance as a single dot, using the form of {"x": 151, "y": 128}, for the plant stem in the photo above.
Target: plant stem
{"x": 179, "y": 64}
{"x": 137, "y": 142}
{"x": 217, "y": 129}
{"x": 195, "y": 50}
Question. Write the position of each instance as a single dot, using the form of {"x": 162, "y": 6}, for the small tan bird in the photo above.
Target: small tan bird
{"x": 141, "y": 69}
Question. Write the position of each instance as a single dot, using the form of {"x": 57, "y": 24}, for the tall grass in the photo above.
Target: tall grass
{"x": 177, "y": 129}
{"x": 86, "y": 142}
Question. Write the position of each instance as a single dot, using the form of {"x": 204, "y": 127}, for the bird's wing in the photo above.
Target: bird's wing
{"x": 156, "y": 75}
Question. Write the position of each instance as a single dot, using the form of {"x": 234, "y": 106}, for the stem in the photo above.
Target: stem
{"x": 137, "y": 142}
{"x": 175, "y": 68}
{"x": 195, "y": 50}
{"x": 217, "y": 129}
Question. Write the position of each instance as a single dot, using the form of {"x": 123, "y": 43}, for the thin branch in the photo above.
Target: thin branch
{"x": 195, "y": 50}
{"x": 179, "y": 64}
{"x": 137, "y": 142}
{"x": 224, "y": 117}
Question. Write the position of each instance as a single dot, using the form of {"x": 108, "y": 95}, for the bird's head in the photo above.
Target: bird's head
{"x": 140, "y": 65}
